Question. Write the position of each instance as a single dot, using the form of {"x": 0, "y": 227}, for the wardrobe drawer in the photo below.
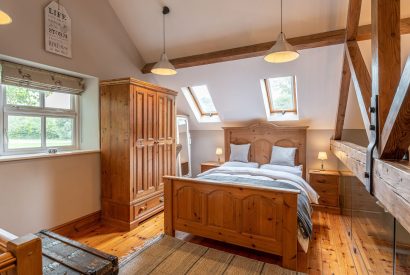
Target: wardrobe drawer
{"x": 146, "y": 208}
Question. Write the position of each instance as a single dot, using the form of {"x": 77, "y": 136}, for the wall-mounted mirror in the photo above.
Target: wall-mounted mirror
{"x": 183, "y": 147}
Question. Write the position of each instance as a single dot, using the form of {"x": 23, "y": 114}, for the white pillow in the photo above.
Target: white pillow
{"x": 296, "y": 170}
{"x": 239, "y": 152}
{"x": 283, "y": 156}
{"x": 240, "y": 164}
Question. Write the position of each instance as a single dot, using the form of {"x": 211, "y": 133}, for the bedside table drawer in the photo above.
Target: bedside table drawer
{"x": 324, "y": 179}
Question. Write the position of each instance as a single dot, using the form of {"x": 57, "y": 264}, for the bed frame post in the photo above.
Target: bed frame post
{"x": 289, "y": 234}
{"x": 168, "y": 207}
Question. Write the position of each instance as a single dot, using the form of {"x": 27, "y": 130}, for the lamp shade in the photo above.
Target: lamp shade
{"x": 322, "y": 156}
{"x": 282, "y": 51}
{"x": 218, "y": 151}
{"x": 4, "y": 18}
{"x": 163, "y": 67}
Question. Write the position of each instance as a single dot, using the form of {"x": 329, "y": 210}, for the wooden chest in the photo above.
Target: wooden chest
{"x": 64, "y": 256}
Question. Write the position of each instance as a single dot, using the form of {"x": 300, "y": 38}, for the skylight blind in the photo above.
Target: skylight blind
{"x": 25, "y": 76}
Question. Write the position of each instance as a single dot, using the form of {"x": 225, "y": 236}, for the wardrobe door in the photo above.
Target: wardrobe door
{"x": 166, "y": 137}
{"x": 150, "y": 140}
{"x": 145, "y": 151}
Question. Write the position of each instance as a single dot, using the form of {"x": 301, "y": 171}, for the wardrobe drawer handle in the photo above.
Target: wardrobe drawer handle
{"x": 321, "y": 181}
{"x": 143, "y": 208}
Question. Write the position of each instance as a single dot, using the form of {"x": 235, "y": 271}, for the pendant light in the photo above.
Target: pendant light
{"x": 4, "y": 18}
{"x": 163, "y": 66}
{"x": 282, "y": 51}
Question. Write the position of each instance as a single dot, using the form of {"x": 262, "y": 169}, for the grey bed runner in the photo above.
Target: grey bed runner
{"x": 304, "y": 208}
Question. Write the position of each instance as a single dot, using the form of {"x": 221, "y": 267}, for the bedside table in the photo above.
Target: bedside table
{"x": 205, "y": 166}
{"x": 326, "y": 184}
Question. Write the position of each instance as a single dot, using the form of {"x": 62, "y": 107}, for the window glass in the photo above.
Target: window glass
{"x": 24, "y": 132}
{"x": 204, "y": 100}
{"x": 22, "y": 96}
{"x": 57, "y": 100}
{"x": 282, "y": 94}
{"x": 59, "y": 131}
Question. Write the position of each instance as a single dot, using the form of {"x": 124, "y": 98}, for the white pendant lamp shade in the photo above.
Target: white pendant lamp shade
{"x": 163, "y": 66}
{"x": 282, "y": 51}
{"x": 4, "y": 18}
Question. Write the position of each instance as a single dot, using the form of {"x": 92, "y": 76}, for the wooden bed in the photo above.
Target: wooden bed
{"x": 249, "y": 216}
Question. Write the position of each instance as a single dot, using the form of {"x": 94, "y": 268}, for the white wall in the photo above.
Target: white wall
{"x": 42, "y": 193}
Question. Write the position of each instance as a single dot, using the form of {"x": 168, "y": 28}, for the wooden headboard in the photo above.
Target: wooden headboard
{"x": 262, "y": 136}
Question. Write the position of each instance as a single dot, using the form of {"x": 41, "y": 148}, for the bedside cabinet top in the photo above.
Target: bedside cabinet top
{"x": 212, "y": 163}
{"x": 324, "y": 172}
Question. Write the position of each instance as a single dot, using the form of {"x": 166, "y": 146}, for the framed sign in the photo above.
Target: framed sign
{"x": 57, "y": 30}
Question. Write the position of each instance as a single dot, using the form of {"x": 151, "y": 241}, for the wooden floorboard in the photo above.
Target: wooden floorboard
{"x": 329, "y": 250}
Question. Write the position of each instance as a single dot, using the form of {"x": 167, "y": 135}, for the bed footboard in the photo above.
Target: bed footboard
{"x": 250, "y": 216}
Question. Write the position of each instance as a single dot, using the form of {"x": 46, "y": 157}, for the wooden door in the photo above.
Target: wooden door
{"x": 145, "y": 161}
{"x": 166, "y": 137}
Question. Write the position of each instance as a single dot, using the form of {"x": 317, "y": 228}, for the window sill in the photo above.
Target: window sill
{"x": 46, "y": 155}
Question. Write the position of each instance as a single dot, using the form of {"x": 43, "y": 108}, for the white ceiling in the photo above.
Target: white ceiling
{"x": 195, "y": 27}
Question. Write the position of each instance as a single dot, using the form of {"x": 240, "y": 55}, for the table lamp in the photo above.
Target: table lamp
{"x": 219, "y": 153}
{"x": 322, "y": 156}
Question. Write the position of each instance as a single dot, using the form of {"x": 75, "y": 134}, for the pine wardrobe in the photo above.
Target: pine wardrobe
{"x": 137, "y": 149}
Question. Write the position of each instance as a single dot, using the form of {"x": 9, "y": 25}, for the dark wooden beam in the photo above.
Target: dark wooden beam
{"x": 361, "y": 80}
{"x": 353, "y": 16}
{"x": 386, "y": 61}
{"x": 390, "y": 178}
{"x": 343, "y": 97}
{"x": 302, "y": 42}
{"x": 352, "y": 26}
{"x": 395, "y": 138}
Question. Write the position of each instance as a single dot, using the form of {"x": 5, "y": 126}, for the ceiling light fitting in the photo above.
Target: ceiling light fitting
{"x": 163, "y": 66}
{"x": 5, "y": 19}
{"x": 281, "y": 51}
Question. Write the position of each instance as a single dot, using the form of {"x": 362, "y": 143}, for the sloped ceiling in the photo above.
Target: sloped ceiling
{"x": 195, "y": 27}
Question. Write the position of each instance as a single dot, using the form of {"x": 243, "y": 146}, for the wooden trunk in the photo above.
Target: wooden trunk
{"x": 64, "y": 256}
{"x": 137, "y": 149}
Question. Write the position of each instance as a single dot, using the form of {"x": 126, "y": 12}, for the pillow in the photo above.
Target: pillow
{"x": 296, "y": 170}
{"x": 239, "y": 152}
{"x": 240, "y": 164}
{"x": 283, "y": 156}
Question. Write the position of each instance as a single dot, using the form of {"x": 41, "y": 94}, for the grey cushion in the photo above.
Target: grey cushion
{"x": 283, "y": 156}
{"x": 239, "y": 152}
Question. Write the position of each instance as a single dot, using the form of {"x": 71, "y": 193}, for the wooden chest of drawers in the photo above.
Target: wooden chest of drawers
{"x": 205, "y": 166}
{"x": 326, "y": 184}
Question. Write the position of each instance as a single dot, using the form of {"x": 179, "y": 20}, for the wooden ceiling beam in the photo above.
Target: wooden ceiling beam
{"x": 353, "y": 16}
{"x": 343, "y": 97}
{"x": 302, "y": 42}
{"x": 352, "y": 26}
{"x": 395, "y": 138}
{"x": 361, "y": 80}
{"x": 386, "y": 55}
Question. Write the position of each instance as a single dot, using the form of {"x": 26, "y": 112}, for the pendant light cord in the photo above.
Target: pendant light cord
{"x": 163, "y": 30}
{"x": 281, "y": 15}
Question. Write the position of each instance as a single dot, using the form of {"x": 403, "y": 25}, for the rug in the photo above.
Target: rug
{"x": 168, "y": 255}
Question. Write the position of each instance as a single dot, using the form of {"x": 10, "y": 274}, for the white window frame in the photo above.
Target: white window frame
{"x": 196, "y": 109}
{"x": 278, "y": 115}
{"x": 44, "y": 113}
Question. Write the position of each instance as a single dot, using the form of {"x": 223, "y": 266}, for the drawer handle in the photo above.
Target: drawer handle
{"x": 321, "y": 181}
{"x": 143, "y": 208}
{"x": 161, "y": 199}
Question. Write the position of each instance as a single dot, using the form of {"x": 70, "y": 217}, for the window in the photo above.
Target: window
{"x": 34, "y": 120}
{"x": 280, "y": 97}
{"x": 201, "y": 103}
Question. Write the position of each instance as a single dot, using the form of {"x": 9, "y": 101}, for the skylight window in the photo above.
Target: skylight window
{"x": 200, "y": 101}
{"x": 279, "y": 95}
